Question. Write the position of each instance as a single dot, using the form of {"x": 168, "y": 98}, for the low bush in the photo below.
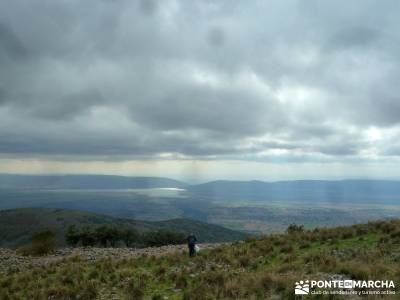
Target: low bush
{"x": 288, "y": 248}
{"x": 356, "y": 270}
{"x": 294, "y": 228}
{"x": 108, "y": 236}
{"x": 163, "y": 237}
{"x": 42, "y": 243}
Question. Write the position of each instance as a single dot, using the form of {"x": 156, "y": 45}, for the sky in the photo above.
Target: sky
{"x": 201, "y": 90}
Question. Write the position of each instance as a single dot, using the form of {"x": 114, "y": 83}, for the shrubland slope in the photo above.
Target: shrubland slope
{"x": 17, "y": 225}
{"x": 258, "y": 268}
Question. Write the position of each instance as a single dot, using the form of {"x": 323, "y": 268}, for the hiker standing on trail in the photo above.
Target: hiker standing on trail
{"x": 191, "y": 240}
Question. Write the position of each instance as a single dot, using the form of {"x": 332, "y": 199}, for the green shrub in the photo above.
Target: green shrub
{"x": 111, "y": 236}
{"x": 304, "y": 244}
{"x": 42, "y": 243}
{"x": 356, "y": 270}
{"x": 361, "y": 230}
{"x": 130, "y": 236}
{"x": 181, "y": 281}
{"x": 347, "y": 234}
{"x": 244, "y": 261}
{"x": 288, "y": 248}
{"x": 395, "y": 234}
{"x": 163, "y": 237}
{"x": 89, "y": 290}
{"x": 267, "y": 281}
{"x": 134, "y": 292}
{"x": 294, "y": 228}
{"x": 72, "y": 236}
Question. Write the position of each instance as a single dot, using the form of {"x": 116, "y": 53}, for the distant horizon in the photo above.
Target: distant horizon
{"x": 188, "y": 181}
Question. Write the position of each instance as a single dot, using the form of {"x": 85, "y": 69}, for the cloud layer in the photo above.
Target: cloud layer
{"x": 259, "y": 80}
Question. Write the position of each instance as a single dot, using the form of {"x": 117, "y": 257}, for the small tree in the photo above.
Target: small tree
{"x": 72, "y": 236}
{"x": 102, "y": 235}
{"x": 42, "y": 243}
{"x": 87, "y": 236}
{"x": 129, "y": 236}
{"x": 115, "y": 236}
{"x": 163, "y": 237}
{"x": 294, "y": 228}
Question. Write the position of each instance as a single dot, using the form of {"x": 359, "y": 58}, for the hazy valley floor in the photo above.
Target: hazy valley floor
{"x": 247, "y": 213}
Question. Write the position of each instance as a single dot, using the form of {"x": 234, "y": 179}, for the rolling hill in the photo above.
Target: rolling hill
{"x": 17, "y": 225}
{"x": 258, "y": 268}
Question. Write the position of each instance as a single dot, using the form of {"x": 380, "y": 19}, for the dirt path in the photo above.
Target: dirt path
{"x": 10, "y": 261}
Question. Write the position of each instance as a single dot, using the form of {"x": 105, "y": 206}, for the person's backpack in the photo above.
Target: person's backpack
{"x": 191, "y": 240}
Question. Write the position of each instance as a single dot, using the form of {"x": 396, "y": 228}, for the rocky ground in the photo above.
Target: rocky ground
{"x": 11, "y": 262}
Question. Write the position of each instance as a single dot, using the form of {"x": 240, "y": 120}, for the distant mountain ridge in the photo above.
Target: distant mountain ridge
{"x": 298, "y": 190}
{"x": 17, "y": 225}
{"x": 86, "y": 182}
{"x": 301, "y": 190}
{"x": 216, "y": 187}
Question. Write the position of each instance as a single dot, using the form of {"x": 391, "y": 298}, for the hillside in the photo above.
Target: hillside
{"x": 255, "y": 207}
{"x": 17, "y": 225}
{"x": 265, "y": 268}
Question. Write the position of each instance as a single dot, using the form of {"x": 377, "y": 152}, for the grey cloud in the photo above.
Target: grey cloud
{"x": 224, "y": 111}
{"x": 148, "y": 7}
{"x": 392, "y": 150}
{"x": 216, "y": 36}
{"x": 67, "y": 106}
{"x": 196, "y": 78}
{"x": 336, "y": 149}
{"x": 10, "y": 45}
{"x": 354, "y": 37}
{"x": 3, "y": 95}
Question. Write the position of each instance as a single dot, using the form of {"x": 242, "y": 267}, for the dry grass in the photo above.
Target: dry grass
{"x": 259, "y": 268}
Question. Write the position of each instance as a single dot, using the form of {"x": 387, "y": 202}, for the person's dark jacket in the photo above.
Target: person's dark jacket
{"x": 191, "y": 239}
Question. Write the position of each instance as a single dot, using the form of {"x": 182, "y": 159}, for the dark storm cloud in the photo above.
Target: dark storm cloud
{"x": 3, "y": 95}
{"x": 237, "y": 113}
{"x": 202, "y": 79}
{"x": 148, "y": 7}
{"x": 216, "y": 36}
{"x": 10, "y": 45}
{"x": 353, "y": 37}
